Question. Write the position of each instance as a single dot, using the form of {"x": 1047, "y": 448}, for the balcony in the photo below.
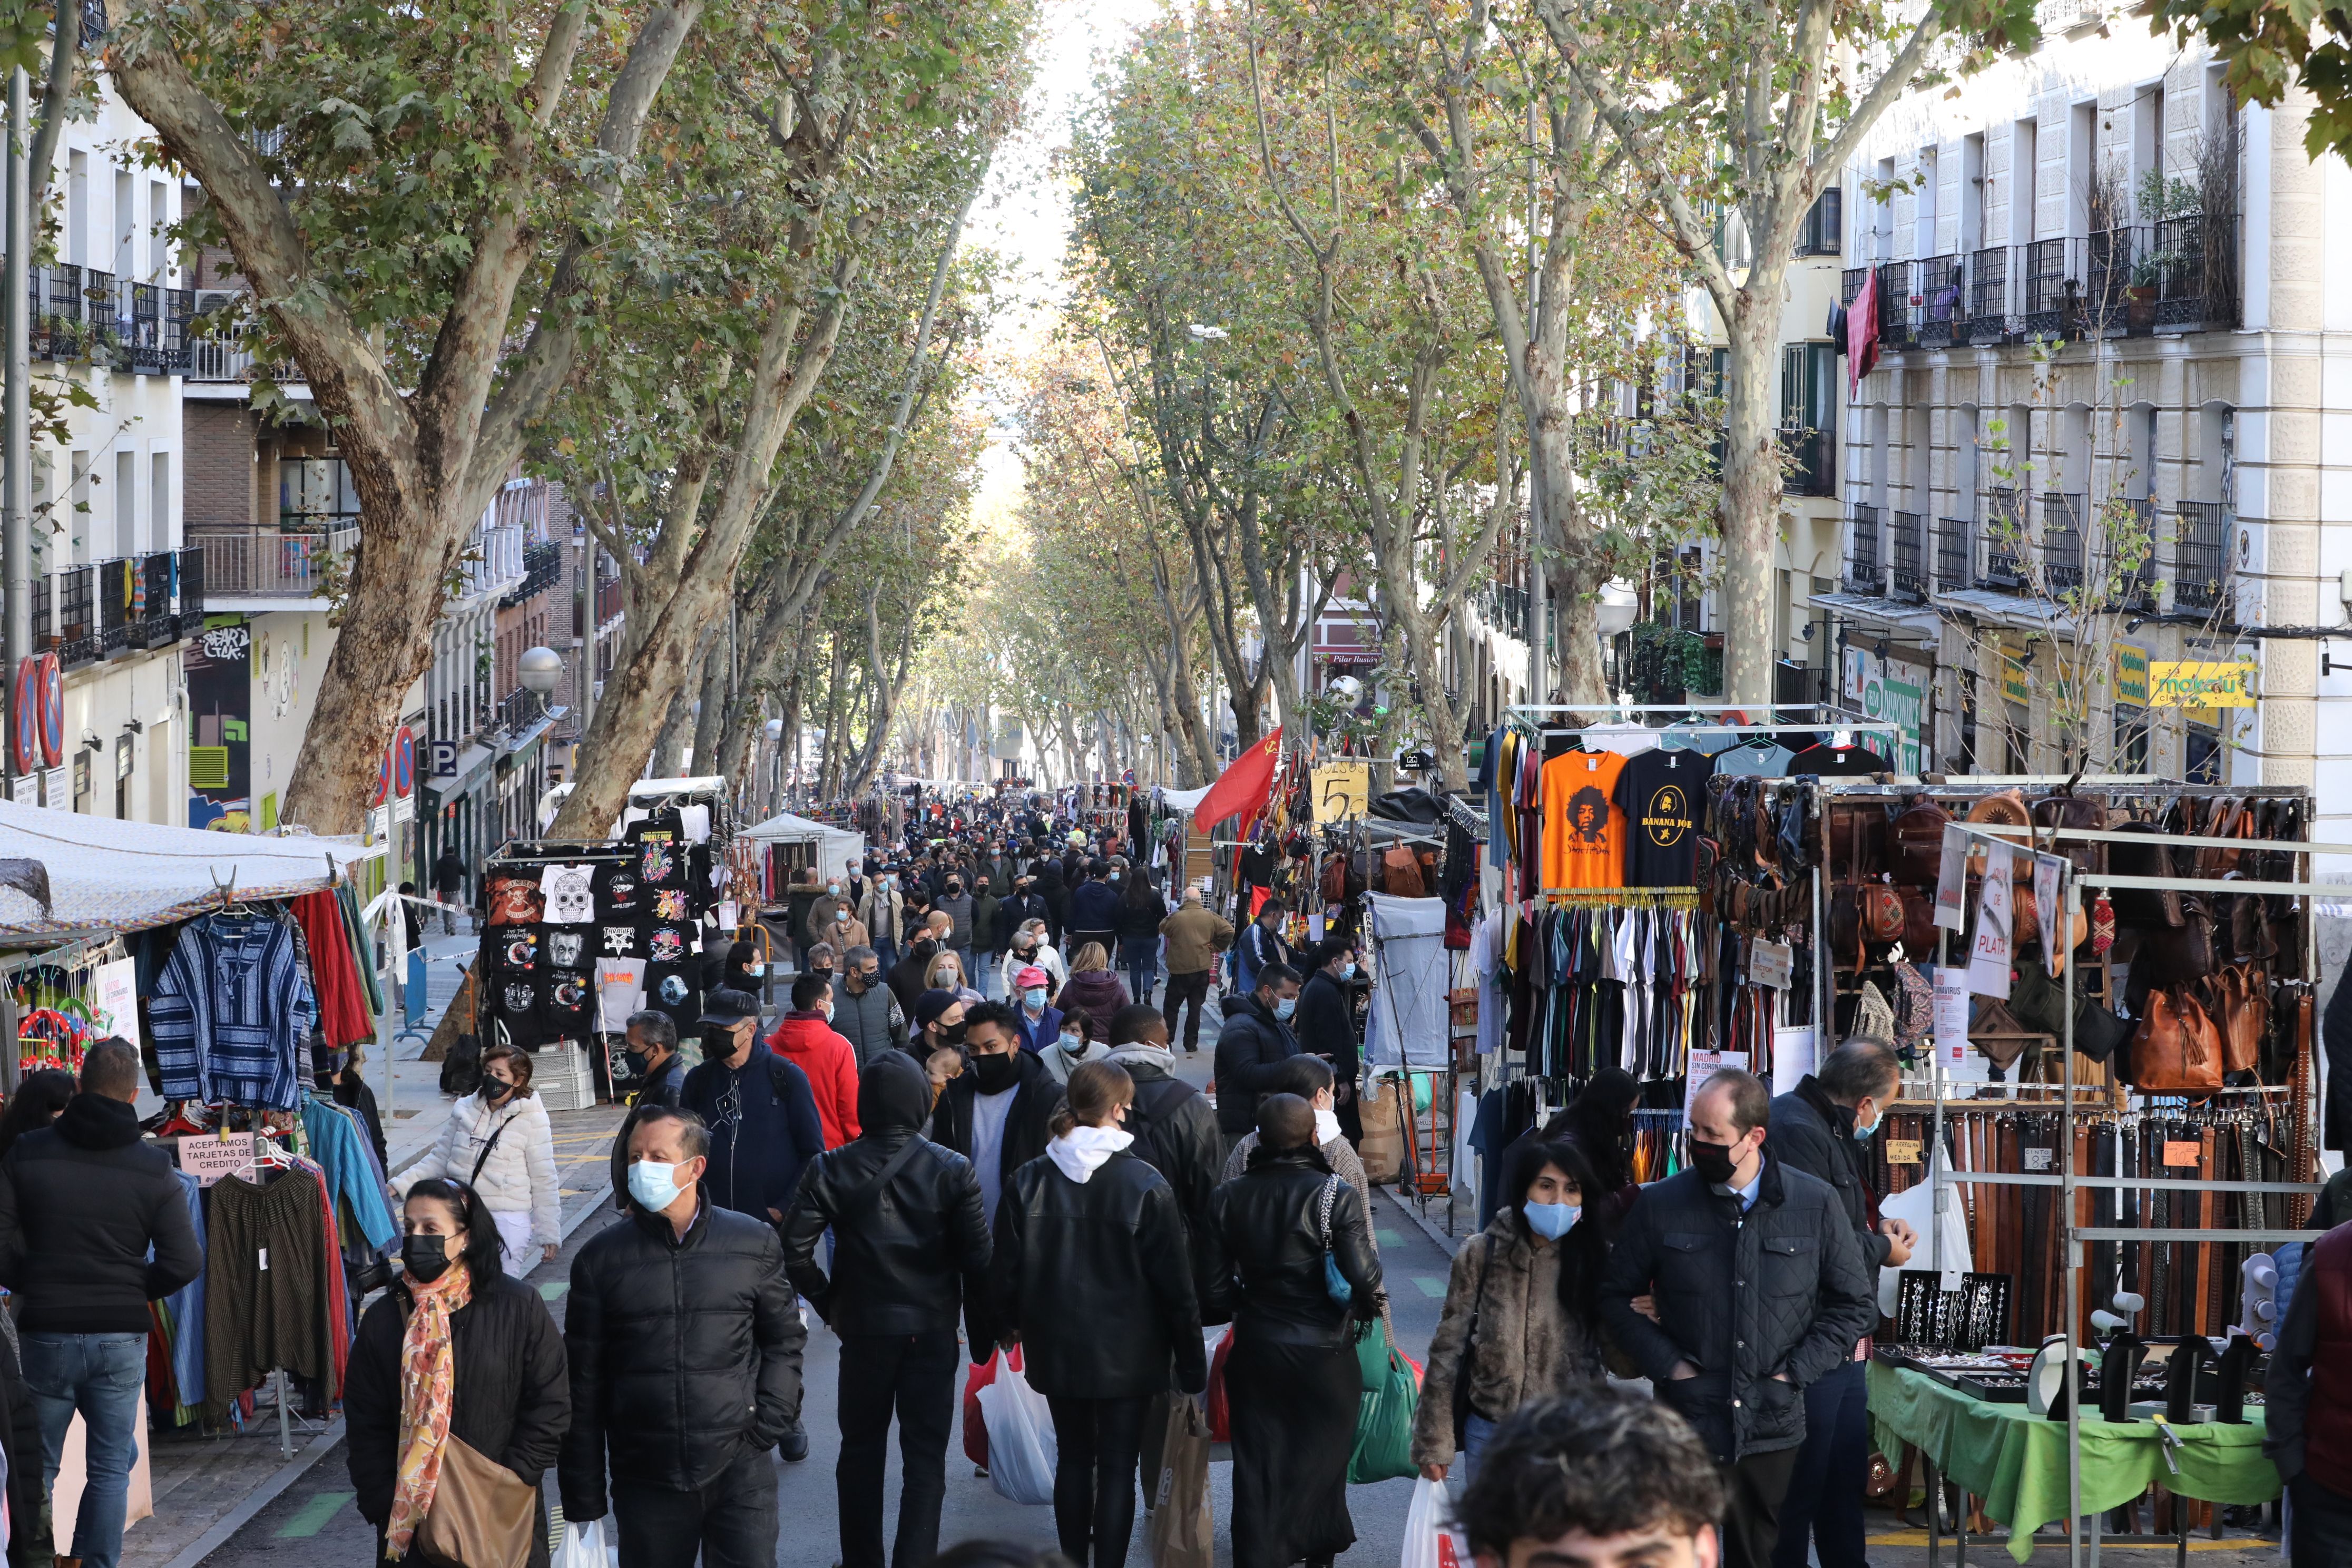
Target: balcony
{"x": 264, "y": 563}
{"x": 1941, "y": 312}
{"x": 2052, "y": 291}
{"x": 1812, "y": 461}
{"x": 2004, "y": 532}
{"x": 1895, "y": 333}
{"x": 1955, "y": 554}
{"x": 2139, "y": 591}
{"x": 610, "y": 602}
{"x": 1988, "y": 281}
{"x": 83, "y": 314}
{"x": 1905, "y": 551}
{"x": 2200, "y": 558}
{"x": 90, "y": 610}
{"x": 542, "y": 564}
{"x": 519, "y": 710}
{"x": 1862, "y": 552}
{"x": 2193, "y": 265}
{"x": 2062, "y": 521}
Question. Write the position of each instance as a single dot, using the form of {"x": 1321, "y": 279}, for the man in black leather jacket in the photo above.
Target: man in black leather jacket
{"x": 1291, "y": 1377}
{"x": 1175, "y": 1129}
{"x": 686, "y": 1403}
{"x": 1760, "y": 1291}
{"x": 910, "y": 1248}
{"x": 1253, "y": 1042}
{"x": 1822, "y": 1128}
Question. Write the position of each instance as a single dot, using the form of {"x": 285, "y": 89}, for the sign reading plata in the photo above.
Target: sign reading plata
{"x": 2192, "y": 683}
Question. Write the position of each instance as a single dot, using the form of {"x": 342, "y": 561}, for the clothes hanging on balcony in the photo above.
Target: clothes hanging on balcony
{"x": 231, "y": 1011}
{"x": 1862, "y": 334}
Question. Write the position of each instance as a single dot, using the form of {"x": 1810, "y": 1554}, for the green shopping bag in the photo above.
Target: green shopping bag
{"x": 1384, "y": 1421}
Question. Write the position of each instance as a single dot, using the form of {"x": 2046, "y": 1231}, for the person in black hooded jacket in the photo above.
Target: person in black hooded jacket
{"x": 1291, "y": 1378}
{"x": 685, "y": 1345}
{"x": 901, "y": 1268}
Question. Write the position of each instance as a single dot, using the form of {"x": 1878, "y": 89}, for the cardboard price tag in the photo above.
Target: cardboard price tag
{"x": 1770, "y": 963}
{"x": 1903, "y": 1151}
{"x": 2183, "y": 1151}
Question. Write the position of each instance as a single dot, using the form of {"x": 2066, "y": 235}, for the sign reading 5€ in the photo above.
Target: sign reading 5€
{"x": 1341, "y": 790}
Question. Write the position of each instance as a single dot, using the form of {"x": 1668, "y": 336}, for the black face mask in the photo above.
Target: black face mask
{"x": 926, "y": 950}
{"x": 427, "y": 1257}
{"x": 494, "y": 1091}
{"x": 995, "y": 1074}
{"x": 824, "y": 969}
{"x": 953, "y": 1034}
{"x": 1712, "y": 1162}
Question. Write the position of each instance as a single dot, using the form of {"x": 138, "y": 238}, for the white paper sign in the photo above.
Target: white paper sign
{"x": 1959, "y": 1059}
{"x": 1705, "y": 1065}
{"x": 1989, "y": 954}
{"x": 1793, "y": 1056}
{"x": 2055, "y": 925}
{"x": 114, "y": 999}
{"x": 1952, "y": 880}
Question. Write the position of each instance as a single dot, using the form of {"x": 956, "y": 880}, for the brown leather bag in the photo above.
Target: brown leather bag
{"x": 2242, "y": 1005}
{"x": 2184, "y": 952}
{"x": 2075, "y": 811}
{"x": 2143, "y": 909}
{"x": 1915, "y": 843}
{"x": 2223, "y": 819}
{"x": 1918, "y": 926}
{"x": 1882, "y": 913}
{"x": 2175, "y": 1049}
{"x": 1401, "y": 874}
{"x": 482, "y": 1513}
{"x": 1857, "y": 840}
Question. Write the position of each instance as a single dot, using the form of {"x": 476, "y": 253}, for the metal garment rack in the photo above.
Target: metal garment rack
{"x": 2070, "y": 1181}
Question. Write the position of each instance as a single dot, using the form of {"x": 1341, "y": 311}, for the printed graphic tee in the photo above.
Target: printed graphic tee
{"x": 1661, "y": 794}
{"x": 1583, "y": 831}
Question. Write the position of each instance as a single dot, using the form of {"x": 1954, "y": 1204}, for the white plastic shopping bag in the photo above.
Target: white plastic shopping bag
{"x": 583, "y": 1546}
{"x": 1020, "y": 1437}
{"x": 1430, "y": 1538}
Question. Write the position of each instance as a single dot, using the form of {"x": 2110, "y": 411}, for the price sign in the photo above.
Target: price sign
{"x": 1341, "y": 790}
{"x": 1903, "y": 1151}
{"x": 2183, "y": 1151}
{"x": 2039, "y": 1158}
{"x": 1770, "y": 963}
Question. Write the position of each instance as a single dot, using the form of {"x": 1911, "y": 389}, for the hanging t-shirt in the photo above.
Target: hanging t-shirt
{"x": 1627, "y": 738}
{"x": 1583, "y": 832}
{"x": 1764, "y": 759}
{"x": 620, "y": 991}
{"x": 570, "y": 894}
{"x": 620, "y": 893}
{"x": 660, "y": 861}
{"x": 1837, "y": 762}
{"x": 1661, "y": 793}
{"x": 621, "y": 941}
{"x": 564, "y": 1005}
{"x": 1690, "y": 735}
{"x": 515, "y": 900}
{"x": 567, "y": 948}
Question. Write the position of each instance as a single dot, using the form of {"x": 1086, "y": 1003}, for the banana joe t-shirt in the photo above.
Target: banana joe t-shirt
{"x": 1660, "y": 794}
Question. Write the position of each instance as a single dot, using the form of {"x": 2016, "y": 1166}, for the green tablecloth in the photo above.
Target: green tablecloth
{"x": 2016, "y": 1461}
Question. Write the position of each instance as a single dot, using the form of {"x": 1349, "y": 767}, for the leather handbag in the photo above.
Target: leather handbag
{"x": 1918, "y": 925}
{"x": 2142, "y": 909}
{"x": 482, "y": 1513}
{"x": 2175, "y": 1049}
{"x": 2223, "y": 819}
{"x": 1882, "y": 913}
{"x": 2078, "y": 812}
{"x": 1916, "y": 849}
{"x": 2184, "y": 952}
{"x": 2241, "y": 1006}
{"x": 1401, "y": 874}
{"x": 1857, "y": 840}
{"x": 1997, "y": 1032}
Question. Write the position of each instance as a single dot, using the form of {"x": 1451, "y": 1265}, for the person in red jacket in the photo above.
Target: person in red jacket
{"x": 805, "y": 1037}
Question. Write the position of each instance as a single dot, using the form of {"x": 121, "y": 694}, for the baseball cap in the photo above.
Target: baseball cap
{"x": 727, "y": 1008}
{"x": 931, "y": 1005}
{"x": 1031, "y": 976}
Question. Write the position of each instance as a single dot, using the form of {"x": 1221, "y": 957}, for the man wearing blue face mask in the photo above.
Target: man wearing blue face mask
{"x": 1254, "y": 1042}
{"x": 1824, "y": 1128}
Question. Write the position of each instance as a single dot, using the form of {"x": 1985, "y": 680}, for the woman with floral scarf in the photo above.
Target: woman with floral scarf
{"x": 455, "y": 1348}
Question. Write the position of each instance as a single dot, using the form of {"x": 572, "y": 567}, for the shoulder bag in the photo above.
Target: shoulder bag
{"x": 482, "y": 1512}
{"x": 1334, "y": 1284}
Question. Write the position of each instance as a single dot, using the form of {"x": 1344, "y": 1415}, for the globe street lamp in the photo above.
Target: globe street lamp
{"x": 538, "y": 669}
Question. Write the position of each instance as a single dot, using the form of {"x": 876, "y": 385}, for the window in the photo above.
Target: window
{"x": 1825, "y": 221}
{"x": 1923, "y": 209}
{"x": 126, "y": 503}
{"x": 2204, "y": 754}
{"x": 2131, "y": 739}
{"x": 1808, "y": 386}
{"x": 159, "y": 242}
{"x": 126, "y": 231}
{"x": 160, "y": 532}
{"x": 78, "y": 210}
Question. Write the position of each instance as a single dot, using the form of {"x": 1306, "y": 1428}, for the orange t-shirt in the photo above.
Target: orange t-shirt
{"x": 1584, "y": 830}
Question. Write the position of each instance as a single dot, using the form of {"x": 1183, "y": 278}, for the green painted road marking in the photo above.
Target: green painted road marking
{"x": 312, "y": 1517}
{"x": 1431, "y": 1286}
{"x": 553, "y": 1289}
{"x": 1384, "y": 1237}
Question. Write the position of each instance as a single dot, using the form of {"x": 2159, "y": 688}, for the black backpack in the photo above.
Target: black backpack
{"x": 461, "y": 1069}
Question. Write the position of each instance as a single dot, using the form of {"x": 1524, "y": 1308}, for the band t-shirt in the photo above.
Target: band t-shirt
{"x": 1660, "y": 794}
{"x": 1583, "y": 832}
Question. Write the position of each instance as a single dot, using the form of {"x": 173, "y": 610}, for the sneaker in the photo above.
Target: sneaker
{"x": 795, "y": 1446}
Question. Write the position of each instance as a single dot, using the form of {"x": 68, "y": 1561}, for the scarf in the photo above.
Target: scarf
{"x": 426, "y": 1371}
{"x": 1082, "y": 1151}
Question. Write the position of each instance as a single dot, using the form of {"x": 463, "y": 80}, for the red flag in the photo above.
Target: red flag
{"x": 1243, "y": 786}
{"x": 1862, "y": 333}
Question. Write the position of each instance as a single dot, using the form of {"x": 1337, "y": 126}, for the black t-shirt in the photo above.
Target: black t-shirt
{"x": 661, "y": 859}
{"x": 1836, "y": 762}
{"x": 514, "y": 950}
{"x": 620, "y": 941}
{"x": 564, "y": 1002}
{"x": 621, "y": 896}
{"x": 1662, "y": 795}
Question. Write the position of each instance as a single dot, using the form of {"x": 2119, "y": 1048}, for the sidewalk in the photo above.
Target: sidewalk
{"x": 206, "y": 1488}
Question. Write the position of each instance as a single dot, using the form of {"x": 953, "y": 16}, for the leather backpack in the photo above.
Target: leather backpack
{"x": 2078, "y": 812}
{"x": 1401, "y": 874}
{"x": 1856, "y": 840}
{"x": 2175, "y": 1049}
{"x": 2241, "y": 1006}
{"x": 1916, "y": 843}
{"x": 2184, "y": 952}
{"x": 2142, "y": 909}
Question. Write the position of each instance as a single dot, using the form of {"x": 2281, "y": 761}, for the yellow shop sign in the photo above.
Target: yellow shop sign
{"x": 2131, "y": 674}
{"x": 2191, "y": 683}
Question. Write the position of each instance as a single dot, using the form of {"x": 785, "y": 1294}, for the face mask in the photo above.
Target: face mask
{"x": 925, "y": 948}
{"x": 1034, "y": 998}
{"x": 1327, "y": 1125}
{"x": 1863, "y": 1134}
{"x": 824, "y": 969}
{"x": 953, "y": 1037}
{"x": 495, "y": 1090}
{"x": 1070, "y": 1044}
{"x": 1285, "y": 1007}
{"x": 841, "y": 917}
{"x": 1551, "y": 1221}
{"x": 1114, "y": 875}
{"x": 755, "y": 970}
{"x": 1348, "y": 971}
{"x": 833, "y": 887}
{"x": 1712, "y": 1162}
{"x": 653, "y": 1185}
{"x": 955, "y": 889}
{"x": 427, "y": 1257}
{"x": 995, "y": 1074}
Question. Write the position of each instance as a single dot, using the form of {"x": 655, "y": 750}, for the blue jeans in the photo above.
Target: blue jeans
{"x": 887, "y": 952}
{"x": 1142, "y": 973}
{"x": 1823, "y": 1507}
{"x": 100, "y": 1375}
{"x": 1476, "y": 1432}
{"x": 986, "y": 983}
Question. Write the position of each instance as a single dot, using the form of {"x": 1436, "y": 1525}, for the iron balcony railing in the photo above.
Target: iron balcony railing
{"x": 2051, "y": 288}
{"x": 1895, "y": 293}
{"x": 1812, "y": 461}
{"x": 542, "y": 564}
{"x": 1905, "y": 554}
{"x": 1941, "y": 308}
{"x": 2005, "y": 525}
{"x": 77, "y": 613}
{"x": 1989, "y": 317}
{"x": 2139, "y": 591}
{"x": 1954, "y": 549}
{"x": 2200, "y": 556}
{"x": 81, "y": 313}
{"x": 88, "y": 610}
{"x": 2063, "y": 519}
{"x": 520, "y": 709}
{"x": 1862, "y": 551}
{"x": 609, "y": 601}
{"x": 268, "y": 563}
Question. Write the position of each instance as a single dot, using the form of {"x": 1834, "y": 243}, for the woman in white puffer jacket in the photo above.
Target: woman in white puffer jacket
{"x": 498, "y": 1143}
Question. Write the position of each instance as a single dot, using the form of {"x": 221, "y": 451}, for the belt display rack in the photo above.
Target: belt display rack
{"x": 2069, "y": 1181}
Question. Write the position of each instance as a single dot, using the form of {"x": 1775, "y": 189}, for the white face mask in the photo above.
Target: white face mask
{"x": 1034, "y": 998}
{"x": 1071, "y": 1044}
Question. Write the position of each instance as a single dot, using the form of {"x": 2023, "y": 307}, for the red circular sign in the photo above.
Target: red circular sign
{"x": 25, "y": 726}
{"x": 53, "y": 710}
{"x": 383, "y": 779}
{"x": 404, "y": 762}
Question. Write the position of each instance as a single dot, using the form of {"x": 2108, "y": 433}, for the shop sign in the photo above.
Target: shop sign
{"x": 2131, "y": 674}
{"x": 2014, "y": 684}
{"x": 2192, "y": 683}
{"x": 1705, "y": 1065}
{"x": 1889, "y": 692}
{"x": 1770, "y": 963}
{"x": 1342, "y": 790}
{"x": 213, "y": 1155}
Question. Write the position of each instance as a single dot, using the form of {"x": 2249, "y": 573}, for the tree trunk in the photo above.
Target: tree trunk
{"x": 710, "y": 720}
{"x": 1750, "y": 514}
{"x": 677, "y": 722}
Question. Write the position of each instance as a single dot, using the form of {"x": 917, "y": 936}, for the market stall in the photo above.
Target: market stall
{"x": 785, "y": 845}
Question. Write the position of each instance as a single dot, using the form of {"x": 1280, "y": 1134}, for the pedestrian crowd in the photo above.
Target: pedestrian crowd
{"x": 966, "y": 1134}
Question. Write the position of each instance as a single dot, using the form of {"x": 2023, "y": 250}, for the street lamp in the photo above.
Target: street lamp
{"x": 538, "y": 669}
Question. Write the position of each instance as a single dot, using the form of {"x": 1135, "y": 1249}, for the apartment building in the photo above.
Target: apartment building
{"x": 114, "y": 596}
{"x": 2114, "y": 311}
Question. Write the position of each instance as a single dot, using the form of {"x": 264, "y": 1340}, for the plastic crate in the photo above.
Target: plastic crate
{"x": 561, "y": 1080}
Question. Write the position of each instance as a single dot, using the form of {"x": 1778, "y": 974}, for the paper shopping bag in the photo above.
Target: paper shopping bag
{"x": 1183, "y": 1534}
